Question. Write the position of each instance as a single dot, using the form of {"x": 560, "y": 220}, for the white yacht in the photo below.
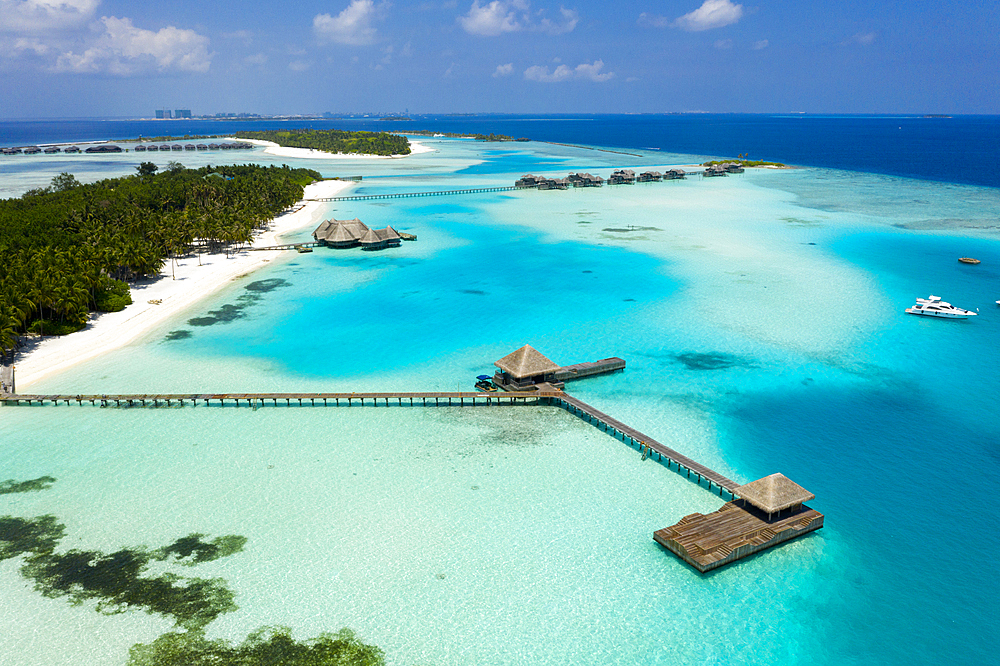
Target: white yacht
{"x": 933, "y": 306}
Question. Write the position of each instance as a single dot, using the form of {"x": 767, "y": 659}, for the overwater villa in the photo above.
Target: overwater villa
{"x": 354, "y": 233}
{"x": 104, "y": 148}
{"x": 553, "y": 184}
{"x": 674, "y": 174}
{"x": 527, "y": 180}
{"x": 622, "y": 177}
{"x": 527, "y": 369}
{"x": 585, "y": 180}
{"x": 767, "y": 512}
{"x": 714, "y": 171}
{"x": 650, "y": 177}
{"x": 733, "y": 167}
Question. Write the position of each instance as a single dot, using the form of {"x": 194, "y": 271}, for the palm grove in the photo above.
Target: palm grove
{"x": 70, "y": 249}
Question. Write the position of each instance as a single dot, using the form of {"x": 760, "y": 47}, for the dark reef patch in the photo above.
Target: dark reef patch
{"x": 180, "y": 334}
{"x": 37, "y": 536}
{"x": 230, "y": 313}
{"x": 269, "y": 645}
{"x": 264, "y": 286}
{"x": 33, "y": 485}
{"x": 712, "y": 361}
{"x": 473, "y": 292}
{"x": 202, "y": 551}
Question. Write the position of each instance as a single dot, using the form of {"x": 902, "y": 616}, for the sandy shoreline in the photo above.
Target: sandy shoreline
{"x": 272, "y": 148}
{"x": 191, "y": 282}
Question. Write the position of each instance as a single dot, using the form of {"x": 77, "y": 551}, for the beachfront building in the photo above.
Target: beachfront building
{"x": 622, "y": 177}
{"x": 674, "y": 174}
{"x": 650, "y": 177}
{"x": 354, "y": 233}
{"x": 524, "y": 369}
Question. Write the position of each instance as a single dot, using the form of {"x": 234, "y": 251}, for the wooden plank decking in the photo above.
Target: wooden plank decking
{"x": 713, "y": 540}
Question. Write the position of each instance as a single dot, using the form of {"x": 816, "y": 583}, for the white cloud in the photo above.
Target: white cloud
{"x": 654, "y": 21}
{"x": 32, "y": 45}
{"x": 565, "y": 73}
{"x": 712, "y": 14}
{"x": 504, "y": 70}
{"x": 723, "y": 44}
{"x": 33, "y": 16}
{"x": 351, "y": 26}
{"x": 490, "y": 20}
{"x": 570, "y": 19}
{"x": 762, "y": 44}
{"x": 863, "y": 38}
{"x": 256, "y": 59}
{"x": 299, "y": 65}
{"x": 124, "y": 49}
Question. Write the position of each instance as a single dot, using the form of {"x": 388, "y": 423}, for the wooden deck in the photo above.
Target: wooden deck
{"x": 408, "y": 195}
{"x": 589, "y": 369}
{"x": 710, "y": 541}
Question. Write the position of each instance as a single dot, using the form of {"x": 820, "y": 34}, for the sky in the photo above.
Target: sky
{"x": 97, "y": 58}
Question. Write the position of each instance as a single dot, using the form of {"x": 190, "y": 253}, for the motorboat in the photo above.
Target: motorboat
{"x": 933, "y": 306}
{"x": 968, "y": 260}
{"x": 485, "y": 384}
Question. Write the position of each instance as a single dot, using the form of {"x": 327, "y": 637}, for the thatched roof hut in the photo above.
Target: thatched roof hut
{"x": 774, "y": 493}
{"x": 526, "y": 362}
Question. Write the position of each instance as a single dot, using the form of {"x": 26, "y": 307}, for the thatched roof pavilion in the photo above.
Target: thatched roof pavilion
{"x": 774, "y": 493}
{"x": 349, "y": 233}
{"x": 524, "y": 368}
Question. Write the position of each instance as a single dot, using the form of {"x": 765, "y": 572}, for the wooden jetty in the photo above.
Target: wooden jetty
{"x": 770, "y": 511}
{"x": 568, "y": 373}
{"x": 407, "y": 195}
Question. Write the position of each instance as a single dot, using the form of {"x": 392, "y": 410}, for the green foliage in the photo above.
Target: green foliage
{"x": 269, "y": 645}
{"x": 51, "y": 327}
{"x": 64, "y": 247}
{"x": 335, "y": 141}
{"x": 33, "y": 485}
{"x": 146, "y": 169}
{"x": 746, "y": 163}
{"x": 112, "y": 295}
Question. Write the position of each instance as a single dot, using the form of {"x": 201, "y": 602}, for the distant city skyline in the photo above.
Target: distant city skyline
{"x": 86, "y": 58}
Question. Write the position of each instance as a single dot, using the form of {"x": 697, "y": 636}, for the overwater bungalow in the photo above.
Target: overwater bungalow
{"x": 140, "y": 148}
{"x": 524, "y": 369}
{"x": 769, "y": 511}
{"x": 72, "y": 149}
{"x": 176, "y": 147}
{"x": 650, "y": 177}
{"x": 202, "y": 146}
{"x": 189, "y": 146}
{"x": 213, "y": 146}
{"x": 733, "y": 167}
{"x": 527, "y": 180}
{"x": 152, "y": 148}
{"x": 52, "y": 150}
{"x": 585, "y": 180}
{"x": 622, "y": 177}
{"x": 104, "y": 148}
{"x": 715, "y": 170}
{"x": 553, "y": 184}
{"x": 165, "y": 147}
{"x": 354, "y": 233}
{"x": 12, "y": 151}
{"x": 674, "y": 174}
{"x": 32, "y": 150}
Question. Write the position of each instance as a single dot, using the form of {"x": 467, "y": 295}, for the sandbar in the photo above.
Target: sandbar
{"x": 174, "y": 289}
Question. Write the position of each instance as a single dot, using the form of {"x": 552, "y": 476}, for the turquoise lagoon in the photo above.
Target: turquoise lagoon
{"x": 761, "y": 317}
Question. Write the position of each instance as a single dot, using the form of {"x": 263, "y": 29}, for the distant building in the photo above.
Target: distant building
{"x": 182, "y": 113}
{"x": 162, "y": 114}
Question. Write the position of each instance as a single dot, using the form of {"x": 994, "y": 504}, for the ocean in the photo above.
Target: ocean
{"x": 761, "y": 316}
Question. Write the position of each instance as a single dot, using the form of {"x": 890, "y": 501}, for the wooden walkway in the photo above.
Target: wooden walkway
{"x": 407, "y": 195}
{"x": 646, "y": 444}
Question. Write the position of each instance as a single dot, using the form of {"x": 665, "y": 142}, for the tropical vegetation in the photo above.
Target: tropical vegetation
{"x": 69, "y": 249}
{"x": 335, "y": 141}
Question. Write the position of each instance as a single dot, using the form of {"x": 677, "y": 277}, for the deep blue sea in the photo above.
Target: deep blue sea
{"x": 762, "y": 320}
{"x": 959, "y": 149}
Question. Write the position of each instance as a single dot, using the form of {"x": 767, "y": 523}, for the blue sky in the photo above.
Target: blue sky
{"x": 73, "y": 58}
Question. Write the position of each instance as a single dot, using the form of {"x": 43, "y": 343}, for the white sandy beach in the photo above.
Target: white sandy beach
{"x": 190, "y": 283}
{"x": 272, "y": 148}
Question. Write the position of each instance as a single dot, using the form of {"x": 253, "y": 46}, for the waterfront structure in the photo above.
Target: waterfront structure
{"x": 650, "y": 177}
{"x": 354, "y": 233}
{"x": 104, "y": 148}
{"x": 622, "y": 177}
{"x": 527, "y": 180}
{"x": 524, "y": 369}
{"x": 585, "y": 180}
{"x": 714, "y": 171}
{"x": 553, "y": 184}
{"x": 769, "y": 511}
{"x": 733, "y": 167}
{"x": 674, "y": 174}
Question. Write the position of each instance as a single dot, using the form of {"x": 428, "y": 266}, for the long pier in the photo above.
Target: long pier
{"x": 575, "y": 406}
{"x": 406, "y": 195}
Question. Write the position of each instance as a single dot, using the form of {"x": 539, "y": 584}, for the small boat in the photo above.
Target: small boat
{"x": 485, "y": 384}
{"x": 303, "y": 250}
{"x": 933, "y": 306}
{"x": 968, "y": 260}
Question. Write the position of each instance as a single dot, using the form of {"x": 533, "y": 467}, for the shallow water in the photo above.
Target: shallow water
{"x": 761, "y": 317}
